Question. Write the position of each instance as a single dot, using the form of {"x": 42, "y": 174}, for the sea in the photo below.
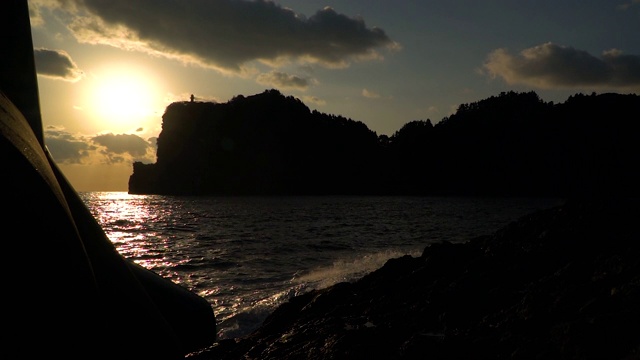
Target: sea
{"x": 248, "y": 255}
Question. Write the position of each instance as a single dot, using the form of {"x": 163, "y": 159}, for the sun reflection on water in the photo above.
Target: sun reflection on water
{"x": 246, "y": 255}
{"x": 129, "y": 221}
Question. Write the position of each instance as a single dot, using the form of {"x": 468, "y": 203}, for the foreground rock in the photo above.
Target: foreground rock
{"x": 560, "y": 283}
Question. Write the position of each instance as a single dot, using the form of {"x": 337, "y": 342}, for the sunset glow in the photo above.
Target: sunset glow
{"x": 123, "y": 97}
{"x": 105, "y": 69}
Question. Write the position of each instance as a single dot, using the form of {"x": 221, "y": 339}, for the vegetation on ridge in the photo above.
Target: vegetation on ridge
{"x": 513, "y": 144}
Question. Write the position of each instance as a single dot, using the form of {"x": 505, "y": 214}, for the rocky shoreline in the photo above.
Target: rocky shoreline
{"x": 558, "y": 283}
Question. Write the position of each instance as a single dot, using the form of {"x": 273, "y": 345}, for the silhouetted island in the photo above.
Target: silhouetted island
{"x": 513, "y": 144}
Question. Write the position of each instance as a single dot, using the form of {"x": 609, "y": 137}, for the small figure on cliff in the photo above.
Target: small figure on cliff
{"x": 192, "y": 97}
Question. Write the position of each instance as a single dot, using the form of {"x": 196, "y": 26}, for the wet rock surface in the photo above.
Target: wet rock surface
{"x": 559, "y": 283}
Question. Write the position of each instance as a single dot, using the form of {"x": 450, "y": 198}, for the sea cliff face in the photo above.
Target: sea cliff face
{"x": 513, "y": 144}
{"x": 562, "y": 283}
{"x": 261, "y": 144}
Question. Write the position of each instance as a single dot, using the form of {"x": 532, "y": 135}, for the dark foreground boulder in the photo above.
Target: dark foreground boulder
{"x": 559, "y": 283}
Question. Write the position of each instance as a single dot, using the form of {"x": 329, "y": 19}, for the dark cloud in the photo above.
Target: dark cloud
{"x": 56, "y": 64}
{"x": 549, "y": 66}
{"x": 625, "y": 68}
{"x": 281, "y": 80}
{"x": 67, "y": 148}
{"x": 153, "y": 141}
{"x": 123, "y": 143}
{"x": 627, "y": 5}
{"x": 226, "y": 34}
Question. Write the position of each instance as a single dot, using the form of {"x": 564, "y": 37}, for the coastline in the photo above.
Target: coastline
{"x": 558, "y": 283}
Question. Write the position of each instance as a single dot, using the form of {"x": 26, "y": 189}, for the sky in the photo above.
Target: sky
{"x": 107, "y": 69}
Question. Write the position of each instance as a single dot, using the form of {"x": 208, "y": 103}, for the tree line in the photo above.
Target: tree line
{"x": 512, "y": 144}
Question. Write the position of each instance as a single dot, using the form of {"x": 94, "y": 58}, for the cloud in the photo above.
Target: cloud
{"x": 68, "y": 148}
{"x": 553, "y": 66}
{"x": 313, "y": 100}
{"x": 122, "y": 143}
{"x": 281, "y": 80}
{"x": 35, "y": 16}
{"x": 56, "y": 64}
{"x": 628, "y": 4}
{"x": 370, "y": 94}
{"x": 227, "y": 34}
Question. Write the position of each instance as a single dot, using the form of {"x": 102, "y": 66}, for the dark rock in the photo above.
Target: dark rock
{"x": 562, "y": 283}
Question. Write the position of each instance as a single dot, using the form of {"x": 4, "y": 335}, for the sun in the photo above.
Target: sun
{"x": 123, "y": 96}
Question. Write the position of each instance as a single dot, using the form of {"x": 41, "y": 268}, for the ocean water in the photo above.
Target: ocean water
{"x": 247, "y": 255}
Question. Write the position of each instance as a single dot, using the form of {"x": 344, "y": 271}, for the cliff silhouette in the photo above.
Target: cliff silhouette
{"x": 512, "y": 144}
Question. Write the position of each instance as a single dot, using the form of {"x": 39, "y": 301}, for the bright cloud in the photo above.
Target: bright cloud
{"x": 313, "y": 100}
{"x": 370, "y": 94}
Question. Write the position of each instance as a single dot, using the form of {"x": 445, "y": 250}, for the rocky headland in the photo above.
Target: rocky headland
{"x": 513, "y": 144}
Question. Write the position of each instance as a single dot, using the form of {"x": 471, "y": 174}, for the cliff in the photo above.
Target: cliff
{"x": 260, "y": 144}
{"x": 513, "y": 144}
{"x": 562, "y": 283}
